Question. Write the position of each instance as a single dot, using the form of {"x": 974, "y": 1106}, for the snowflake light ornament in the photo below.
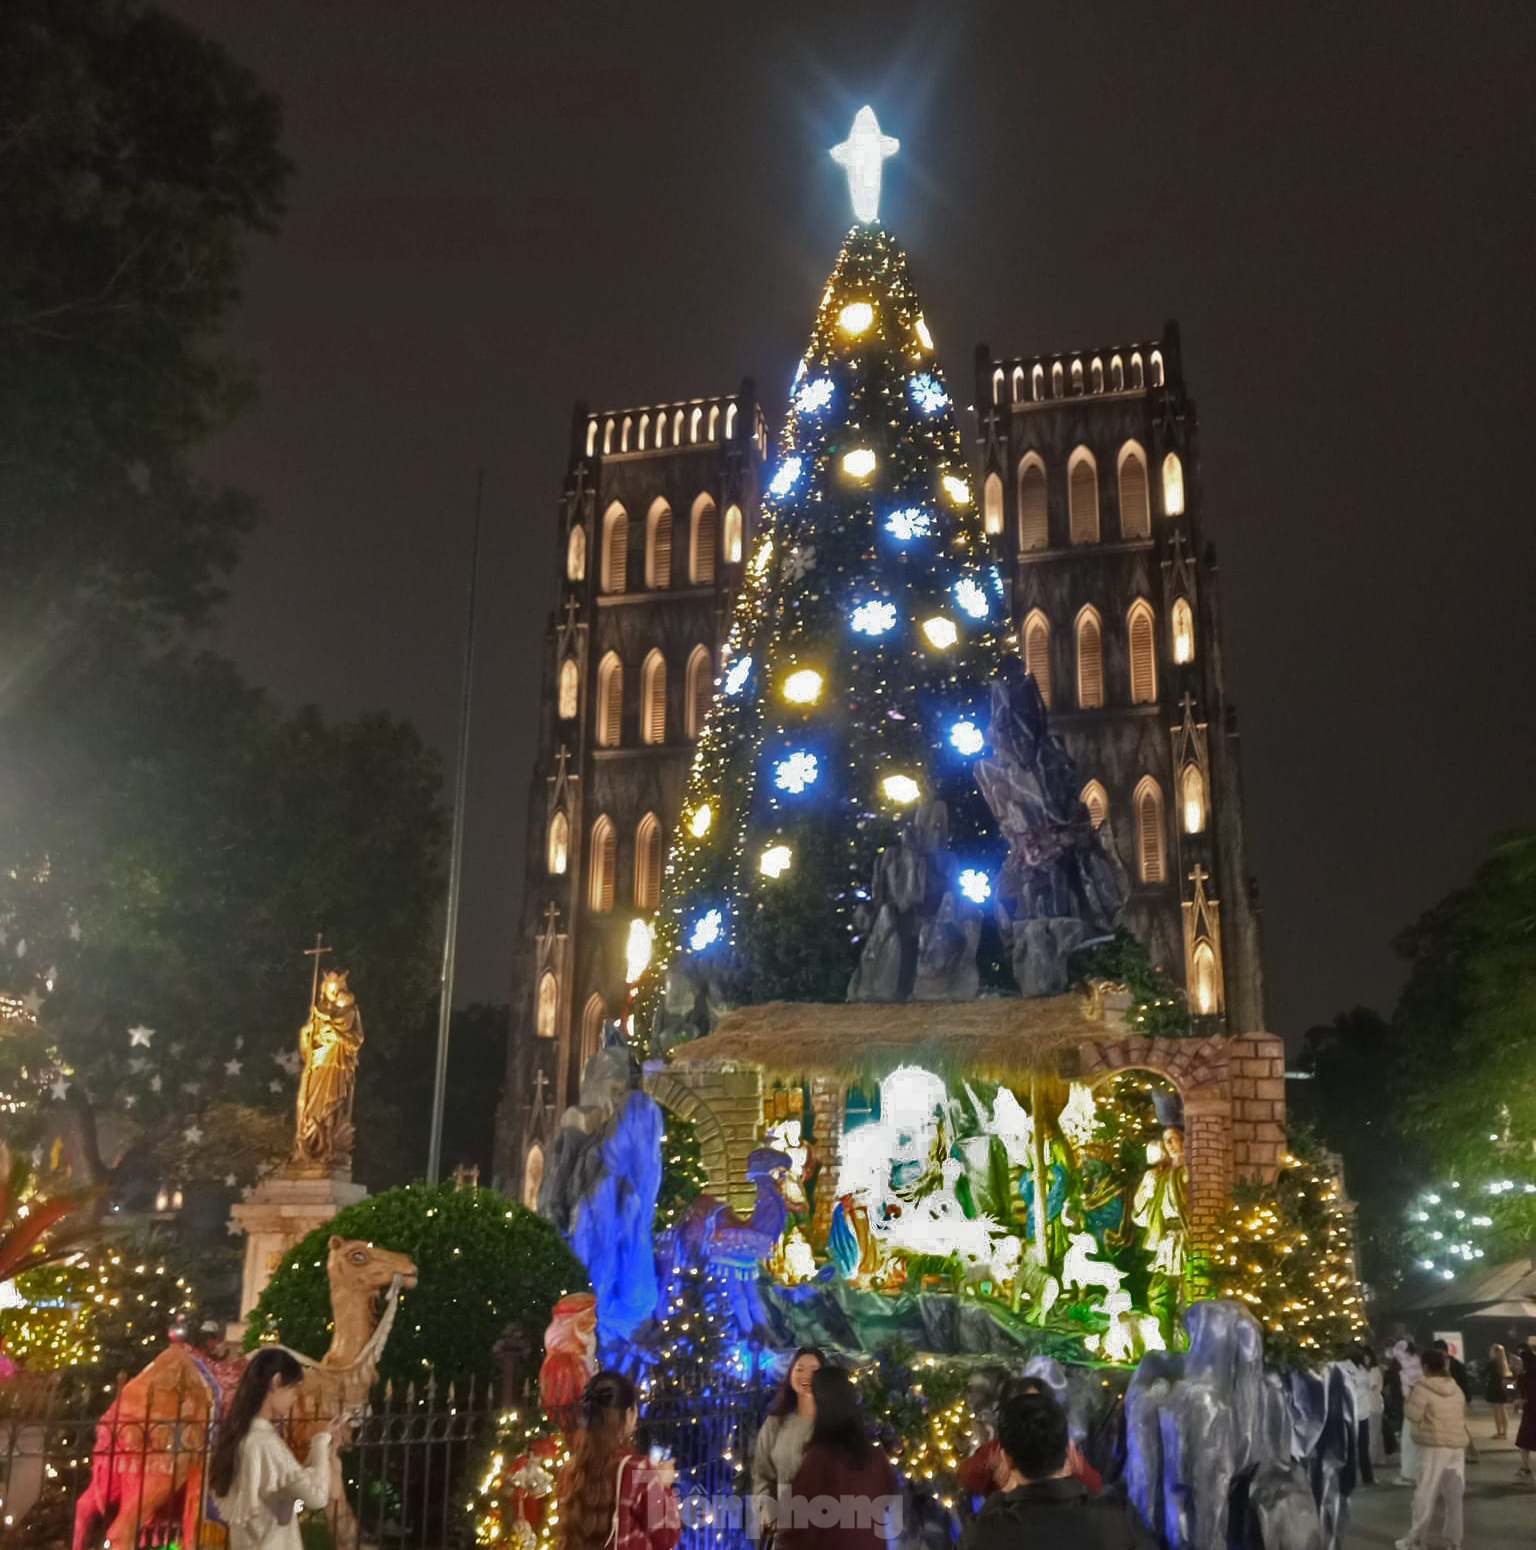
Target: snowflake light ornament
{"x": 799, "y": 562}
{"x": 784, "y": 477}
{"x": 909, "y": 522}
{"x": 927, "y": 392}
{"x": 814, "y": 396}
{"x": 795, "y": 773}
{"x": 873, "y": 618}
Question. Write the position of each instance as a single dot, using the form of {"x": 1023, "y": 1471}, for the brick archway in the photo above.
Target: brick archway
{"x": 683, "y": 1101}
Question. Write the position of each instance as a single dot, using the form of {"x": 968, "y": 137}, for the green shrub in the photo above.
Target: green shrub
{"x": 483, "y": 1262}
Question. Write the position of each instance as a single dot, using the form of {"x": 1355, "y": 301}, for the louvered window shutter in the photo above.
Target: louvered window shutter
{"x": 1150, "y": 813}
{"x": 700, "y": 692}
{"x": 604, "y": 860}
{"x": 1135, "y": 513}
{"x": 616, "y": 555}
{"x": 704, "y": 546}
{"x": 1143, "y": 668}
{"x": 1084, "y": 497}
{"x": 1090, "y": 665}
{"x": 655, "y": 701}
{"x": 612, "y": 706}
{"x": 1037, "y": 657}
{"x": 661, "y": 551}
{"x": 1033, "y": 530}
{"x": 1094, "y": 801}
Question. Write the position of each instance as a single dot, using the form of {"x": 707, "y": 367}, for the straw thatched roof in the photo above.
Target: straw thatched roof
{"x": 996, "y": 1040}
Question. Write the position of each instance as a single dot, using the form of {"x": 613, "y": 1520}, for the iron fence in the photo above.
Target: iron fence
{"x": 68, "y": 1476}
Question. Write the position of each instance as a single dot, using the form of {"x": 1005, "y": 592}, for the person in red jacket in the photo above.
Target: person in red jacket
{"x": 985, "y": 1471}
{"x": 846, "y": 1495}
{"x": 610, "y": 1495}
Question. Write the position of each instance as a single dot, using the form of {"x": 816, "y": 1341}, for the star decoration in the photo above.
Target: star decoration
{"x": 137, "y": 1064}
{"x": 230, "y": 1181}
{"x": 233, "y": 1067}
{"x": 861, "y": 156}
{"x": 129, "y": 1099}
{"x": 140, "y": 1036}
{"x": 154, "y": 1083}
{"x": 190, "y": 1087}
{"x": 248, "y": 1191}
{"x": 193, "y": 1134}
{"x": 59, "y": 1087}
{"x": 274, "y": 1086}
{"x": 21, "y": 948}
{"x": 74, "y": 931}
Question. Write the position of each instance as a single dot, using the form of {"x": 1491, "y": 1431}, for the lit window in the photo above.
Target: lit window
{"x": 1137, "y": 381}
{"x": 1135, "y": 509}
{"x": 1183, "y": 631}
{"x": 592, "y": 1026}
{"x": 648, "y": 863}
{"x": 701, "y": 690}
{"x": 992, "y": 503}
{"x": 1096, "y": 376}
{"x": 1193, "y": 793}
{"x": 702, "y": 542}
{"x": 1094, "y": 798}
{"x": 658, "y": 546}
{"x": 1116, "y": 374}
{"x": 1207, "y": 1000}
{"x": 1032, "y": 512}
{"x": 604, "y": 864}
{"x": 1056, "y": 380}
{"x": 547, "y": 1007}
{"x": 1083, "y": 497}
{"x": 576, "y": 554}
{"x": 1090, "y": 660}
{"x": 1143, "y": 654}
{"x": 615, "y": 549}
{"x": 1150, "y": 844}
{"x": 610, "y": 701}
{"x": 653, "y": 699}
{"x": 1173, "y": 486}
{"x": 559, "y": 844}
{"x": 570, "y": 685}
{"x": 1037, "y": 652}
{"x": 733, "y": 535}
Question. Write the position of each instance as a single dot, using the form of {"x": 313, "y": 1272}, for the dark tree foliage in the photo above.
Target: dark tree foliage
{"x": 1158, "y": 1007}
{"x": 484, "y": 1263}
{"x": 136, "y": 160}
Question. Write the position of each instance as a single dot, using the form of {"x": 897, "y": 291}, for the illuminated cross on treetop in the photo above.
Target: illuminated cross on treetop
{"x": 861, "y": 156}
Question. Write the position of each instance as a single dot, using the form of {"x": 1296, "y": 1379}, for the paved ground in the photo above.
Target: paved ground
{"x": 1500, "y": 1510}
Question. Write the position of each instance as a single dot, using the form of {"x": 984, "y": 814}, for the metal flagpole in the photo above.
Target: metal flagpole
{"x": 455, "y": 861}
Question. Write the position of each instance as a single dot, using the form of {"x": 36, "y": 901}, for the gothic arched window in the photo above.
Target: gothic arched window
{"x": 569, "y": 690}
{"x": 658, "y": 546}
{"x": 1034, "y": 531}
{"x": 700, "y": 690}
{"x": 702, "y": 542}
{"x": 1037, "y": 652}
{"x": 1083, "y": 497}
{"x": 1135, "y": 509}
{"x": 653, "y": 699}
{"x": 1150, "y": 842}
{"x": 576, "y": 554}
{"x": 1090, "y": 659}
{"x": 610, "y": 701}
{"x": 559, "y": 844}
{"x": 604, "y": 865}
{"x": 546, "y": 1015}
{"x": 1143, "y": 653}
{"x": 615, "y": 549}
{"x": 648, "y": 863}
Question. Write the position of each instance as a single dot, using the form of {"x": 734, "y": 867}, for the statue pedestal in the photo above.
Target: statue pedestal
{"x": 281, "y": 1210}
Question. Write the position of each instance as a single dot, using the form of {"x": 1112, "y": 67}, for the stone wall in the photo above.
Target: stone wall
{"x": 726, "y": 1106}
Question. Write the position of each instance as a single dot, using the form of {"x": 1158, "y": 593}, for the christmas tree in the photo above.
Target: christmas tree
{"x": 854, "y": 687}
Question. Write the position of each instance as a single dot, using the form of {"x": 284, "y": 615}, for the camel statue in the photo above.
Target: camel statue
{"x": 709, "y": 1235}
{"x": 152, "y": 1444}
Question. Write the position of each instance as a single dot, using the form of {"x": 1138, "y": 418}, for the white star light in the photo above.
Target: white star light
{"x": 230, "y": 1181}
{"x": 59, "y": 1088}
{"x": 140, "y": 1035}
{"x": 861, "y": 156}
{"x": 193, "y": 1134}
{"x": 232, "y": 1067}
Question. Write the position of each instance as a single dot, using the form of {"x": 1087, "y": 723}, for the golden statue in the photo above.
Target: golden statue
{"x": 329, "y": 1042}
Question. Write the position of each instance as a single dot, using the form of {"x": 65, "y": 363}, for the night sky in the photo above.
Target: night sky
{"x": 504, "y": 207}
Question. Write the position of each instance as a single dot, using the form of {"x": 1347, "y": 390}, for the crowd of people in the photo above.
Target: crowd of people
{"x": 1414, "y": 1404}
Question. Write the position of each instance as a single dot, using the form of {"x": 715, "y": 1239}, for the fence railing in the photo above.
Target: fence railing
{"x": 70, "y": 1477}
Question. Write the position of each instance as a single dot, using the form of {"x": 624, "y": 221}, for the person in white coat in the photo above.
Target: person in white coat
{"x": 258, "y": 1485}
{"x": 1411, "y": 1373}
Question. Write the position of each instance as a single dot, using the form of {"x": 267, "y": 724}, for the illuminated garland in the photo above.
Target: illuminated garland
{"x": 1287, "y": 1250}
{"x": 855, "y": 677}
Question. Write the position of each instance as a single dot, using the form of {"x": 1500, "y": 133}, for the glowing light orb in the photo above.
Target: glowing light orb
{"x": 860, "y": 463}
{"x": 855, "y": 318}
{"x": 873, "y": 618}
{"x": 927, "y": 393}
{"x": 909, "y": 522}
{"x": 775, "y": 860}
{"x": 803, "y": 687}
{"x": 901, "y": 788}
{"x": 920, "y": 328}
{"x": 784, "y": 477}
{"x": 706, "y": 930}
{"x": 974, "y": 885}
{"x": 971, "y": 597}
{"x": 814, "y": 396}
{"x": 796, "y": 772}
{"x": 967, "y": 738}
{"x": 861, "y": 156}
{"x": 736, "y": 675}
{"x": 957, "y": 489}
{"x": 940, "y": 632}
{"x": 703, "y": 817}
{"x": 637, "y": 951}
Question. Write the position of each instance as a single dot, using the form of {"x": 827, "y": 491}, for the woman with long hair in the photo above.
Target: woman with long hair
{"x": 257, "y": 1483}
{"x": 612, "y": 1497}
{"x": 782, "y": 1439}
{"x": 843, "y": 1467}
{"x": 1496, "y": 1389}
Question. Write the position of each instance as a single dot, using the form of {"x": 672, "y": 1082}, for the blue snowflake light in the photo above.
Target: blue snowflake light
{"x": 927, "y": 392}
{"x": 814, "y": 396}
{"x": 706, "y": 930}
{"x": 736, "y": 675}
{"x": 967, "y": 738}
{"x": 974, "y": 885}
{"x": 971, "y": 597}
{"x": 873, "y": 618}
{"x": 796, "y": 772}
{"x": 784, "y": 477}
{"x": 909, "y": 522}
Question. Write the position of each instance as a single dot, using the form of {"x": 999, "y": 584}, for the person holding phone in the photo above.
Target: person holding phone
{"x": 611, "y": 1496}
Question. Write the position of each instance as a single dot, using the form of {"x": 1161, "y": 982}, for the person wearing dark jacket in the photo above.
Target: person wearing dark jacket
{"x": 1041, "y": 1507}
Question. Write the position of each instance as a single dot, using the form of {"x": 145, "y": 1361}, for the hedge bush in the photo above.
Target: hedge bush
{"x": 483, "y": 1262}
